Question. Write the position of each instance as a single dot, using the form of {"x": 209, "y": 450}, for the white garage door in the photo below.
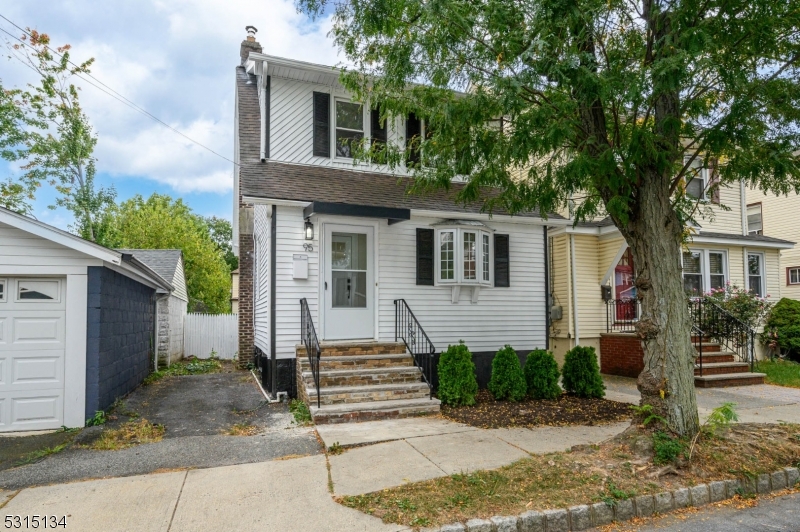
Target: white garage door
{"x": 32, "y": 329}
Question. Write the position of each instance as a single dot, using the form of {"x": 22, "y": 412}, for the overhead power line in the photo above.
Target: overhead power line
{"x": 105, "y": 89}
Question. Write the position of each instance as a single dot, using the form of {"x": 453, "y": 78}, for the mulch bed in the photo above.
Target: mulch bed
{"x": 566, "y": 410}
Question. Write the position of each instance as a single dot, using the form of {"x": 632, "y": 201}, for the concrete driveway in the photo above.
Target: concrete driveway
{"x": 196, "y": 410}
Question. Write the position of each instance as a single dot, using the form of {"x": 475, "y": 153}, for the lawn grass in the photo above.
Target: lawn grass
{"x": 780, "y": 372}
{"x": 601, "y": 473}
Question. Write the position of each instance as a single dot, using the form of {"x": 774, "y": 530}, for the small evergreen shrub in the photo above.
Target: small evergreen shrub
{"x": 666, "y": 449}
{"x": 582, "y": 374}
{"x": 508, "y": 381}
{"x": 541, "y": 375}
{"x": 782, "y": 329}
{"x": 457, "y": 382}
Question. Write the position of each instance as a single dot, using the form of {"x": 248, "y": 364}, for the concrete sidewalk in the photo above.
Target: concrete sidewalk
{"x": 277, "y": 495}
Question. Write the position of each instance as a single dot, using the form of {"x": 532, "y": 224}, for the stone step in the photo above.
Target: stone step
{"x": 718, "y": 368}
{"x": 357, "y": 362}
{"x": 363, "y": 394}
{"x": 726, "y": 380}
{"x": 362, "y": 377}
{"x": 371, "y": 411}
{"x": 342, "y": 349}
{"x": 714, "y": 358}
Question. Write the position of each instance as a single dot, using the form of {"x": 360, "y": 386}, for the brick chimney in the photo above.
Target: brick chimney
{"x": 250, "y": 44}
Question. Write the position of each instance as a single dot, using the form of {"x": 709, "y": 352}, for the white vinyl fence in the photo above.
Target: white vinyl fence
{"x": 204, "y": 333}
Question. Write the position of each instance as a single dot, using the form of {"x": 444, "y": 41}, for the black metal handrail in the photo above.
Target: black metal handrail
{"x": 308, "y": 335}
{"x": 697, "y": 339}
{"x": 407, "y": 328}
{"x": 719, "y": 325}
{"x": 622, "y": 315}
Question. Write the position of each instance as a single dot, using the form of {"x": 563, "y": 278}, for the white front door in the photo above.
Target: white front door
{"x": 32, "y": 341}
{"x": 349, "y": 282}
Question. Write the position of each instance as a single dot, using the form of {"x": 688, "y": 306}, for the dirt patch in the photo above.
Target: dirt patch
{"x": 488, "y": 413}
{"x": 19, "y": 450}
{"x": 242, "y": 429}
{"x": 128, "y": 434}
{"x": 619, "y": 469}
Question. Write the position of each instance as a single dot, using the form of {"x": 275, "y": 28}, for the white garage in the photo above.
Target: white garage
{"x": 76, "y": 325}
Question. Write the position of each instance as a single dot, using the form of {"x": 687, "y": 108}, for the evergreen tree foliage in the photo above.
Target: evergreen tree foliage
{"x": 507, "y": 381}
{"x": 581, "y": 374}
{"x": 541, "y": 375}
{"x": 457, "y": 382}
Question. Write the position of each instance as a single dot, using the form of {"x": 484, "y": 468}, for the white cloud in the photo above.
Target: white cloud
{"x": 176, "y": 59}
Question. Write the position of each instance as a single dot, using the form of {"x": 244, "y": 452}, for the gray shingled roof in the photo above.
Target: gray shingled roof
{"x": 754, "y": 238}
{"x": 605, "y": 222}
{"x": 275, "y": 180}
{"x": 162, "y": 261}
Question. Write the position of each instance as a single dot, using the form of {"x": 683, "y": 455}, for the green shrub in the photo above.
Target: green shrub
{"x": 782, "y": 329}
{"x": 666, "y": 449}
{"x": 457, "y": 383}
{"x": 541, "y": 375}
{"x": 508, "y": 381}
{"x": 582, "y": 374}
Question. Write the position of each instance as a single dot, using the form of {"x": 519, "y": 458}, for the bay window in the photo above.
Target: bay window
{"x": 464, "y": 254}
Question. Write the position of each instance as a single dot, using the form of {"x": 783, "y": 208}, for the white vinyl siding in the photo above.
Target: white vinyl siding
{"x": 179, "y": 282}
{"x": 261, "y": 229}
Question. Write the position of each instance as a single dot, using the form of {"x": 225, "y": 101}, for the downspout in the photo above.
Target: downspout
{"x": 546, "y": 290}
{"x": 272, "y": 305}
{"x": 574, "y": 289}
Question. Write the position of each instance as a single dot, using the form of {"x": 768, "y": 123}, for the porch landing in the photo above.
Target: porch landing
{"x": 363, "y": 381}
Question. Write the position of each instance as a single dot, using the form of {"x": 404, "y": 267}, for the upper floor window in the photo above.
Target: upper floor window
{"x": 755, "y": 223}
{"x": 349, "y": 127}
{"x": 793, "y": 275}
{"x": 696, "y": 181}
{"x": 464, "y": 255}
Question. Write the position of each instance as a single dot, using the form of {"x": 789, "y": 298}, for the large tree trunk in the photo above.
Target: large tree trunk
{"x": 654, "y": 237}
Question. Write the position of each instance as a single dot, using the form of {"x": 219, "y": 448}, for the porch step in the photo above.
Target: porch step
{"x": 332, "y": 395}
{"x": 343, "y": 349}
{"x": 709, "y": 347}
{"x": 721, "y": 368}
{"x": 726, "y": 380}
{"x": 374, "y": 410}
{"x": 717, "y": 358}
{"x": 357, "y": 362}
{"x": 359, "y": 377}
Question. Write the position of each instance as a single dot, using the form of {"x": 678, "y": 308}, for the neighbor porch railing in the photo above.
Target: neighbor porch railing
{"x": 719, "y": 325}
{"x": 308, "y": 335}
{"x": 622, "y": 315}
{"x": 407, "y": 328}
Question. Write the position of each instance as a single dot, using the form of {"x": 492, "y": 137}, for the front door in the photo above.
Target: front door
{"x": 349, "y": 282}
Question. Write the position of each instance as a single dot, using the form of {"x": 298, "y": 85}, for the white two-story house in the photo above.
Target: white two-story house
{"x": 338, "y": 258}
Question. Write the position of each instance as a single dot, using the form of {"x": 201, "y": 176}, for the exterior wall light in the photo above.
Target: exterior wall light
{"x": 309, "y": 230}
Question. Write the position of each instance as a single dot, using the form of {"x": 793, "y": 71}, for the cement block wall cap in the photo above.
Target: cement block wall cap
{"x": 792, "y": 476}
{"x": 479, "y": 525}
{"x": 778, "y": 480}
{"x": 505, "y": 523}
{"x": 645, "y": 506}
{"x": 453, "y": 527}
{"x": 557, "y": 520}
{"x": 763, "y": 483}
{"x": 718, "y": 490}
{"x": 580, "y": 517}
{"x": 531, "y": 521}
{"x": 682, "y": 498}
{"x": 623, "y": 510}
{"x": 602, "y": 514}
{"x": 663, "y": 501}
{"x": 699, "y": 495}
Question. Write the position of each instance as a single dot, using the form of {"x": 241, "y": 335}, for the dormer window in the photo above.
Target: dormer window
{"x": 349, "y": 127}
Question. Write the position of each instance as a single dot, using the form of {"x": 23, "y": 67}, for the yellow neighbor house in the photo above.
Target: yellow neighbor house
{"x": 592, "y": 273}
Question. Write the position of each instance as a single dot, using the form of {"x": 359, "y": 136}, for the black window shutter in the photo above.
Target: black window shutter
{"x": 502, "y": 270}
{"x": 425, "y": 257}
{"x": 413, "y": 133}
{"x": 322, "y": 118}
{"x": 377, "y": 130}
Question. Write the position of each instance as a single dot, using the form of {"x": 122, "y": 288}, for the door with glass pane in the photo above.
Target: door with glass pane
{"x": 348, "y": 284}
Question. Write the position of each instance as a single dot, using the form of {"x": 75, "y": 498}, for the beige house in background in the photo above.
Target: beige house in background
{"x": 779, "y": 216}
{"x": 590, "y": 264}
{"x": 235, "y": 291}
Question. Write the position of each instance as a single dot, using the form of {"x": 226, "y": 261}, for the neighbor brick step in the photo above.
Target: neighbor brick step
{"x": 357, "y": 362}
{"x": 729, "y": 379}
{"x": 709, "y": 347}
{"x": 362, "y": 394}
{"x": 714, "y": 358}
{"x": 360, "y": 377}
{"x": 371, "y": 411}
{"x": 714, "y": 368}
{"x": 343, "y": 349}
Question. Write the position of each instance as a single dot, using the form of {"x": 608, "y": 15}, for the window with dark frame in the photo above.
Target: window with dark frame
{"x": 793, "y": 275}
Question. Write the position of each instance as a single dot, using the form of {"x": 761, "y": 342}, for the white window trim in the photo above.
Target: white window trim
{"x": 701, "y": 175}
{"x": 762, "y": 273}
{"x": 789, "y": 275}
{"x": 705, "y": 267}
{"x": 365, "y": 123}
{"x": 458, "y": 257}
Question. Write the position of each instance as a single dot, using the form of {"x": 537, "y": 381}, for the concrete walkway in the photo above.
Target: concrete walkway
{"x": 414, "y": 449}
{"x": 277, "y": 495}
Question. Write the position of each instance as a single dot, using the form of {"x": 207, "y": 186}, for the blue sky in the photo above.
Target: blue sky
{"x": 176, "y": 59}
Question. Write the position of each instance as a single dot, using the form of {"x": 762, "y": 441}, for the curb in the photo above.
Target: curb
{"x": 585, "y": 516}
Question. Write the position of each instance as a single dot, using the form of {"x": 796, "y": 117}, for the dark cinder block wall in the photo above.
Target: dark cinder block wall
{"x": 119, "y": 336}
